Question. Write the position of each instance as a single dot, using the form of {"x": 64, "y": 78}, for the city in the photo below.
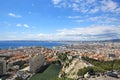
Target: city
{"x": 25, "y": 62}
{"x": 59, "y": 39}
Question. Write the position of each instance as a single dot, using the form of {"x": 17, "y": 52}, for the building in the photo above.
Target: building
{"x": 2, "y": 66}
{"x": 36, "y": 62}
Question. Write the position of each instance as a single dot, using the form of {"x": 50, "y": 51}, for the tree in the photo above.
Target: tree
{"x": 62, "y": 56}
{"x": 19, "y": 78}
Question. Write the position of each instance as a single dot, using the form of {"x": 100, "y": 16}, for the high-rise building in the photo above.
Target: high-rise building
{"x": 36, "y": 62}
{"x": 2, "y": 66}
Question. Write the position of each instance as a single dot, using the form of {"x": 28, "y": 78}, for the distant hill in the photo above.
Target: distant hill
{"x": 112, "y": 40}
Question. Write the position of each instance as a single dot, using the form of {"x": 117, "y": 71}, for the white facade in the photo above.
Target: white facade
{"x": 36, "y": 62}
{"x": 2, "y": 67}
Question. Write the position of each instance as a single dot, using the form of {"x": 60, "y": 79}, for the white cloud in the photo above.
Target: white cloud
{"x": 79, "y": 21}
{"x": 105, "y": 19}
{"x": 26, "y": 25}
{"x": 56, "y": 1}
{"x": 109, "y": 5}
{"x": 91, "y": 33}
{"x": 19, "y": 25}
{"x": 75, "y": 6}
{"x": 95, "y": 20}
{"x": 89, "y": 6}
{"x": 93, "y": 30}
{"x": 74, "y": 17}
{"x": 94, "y": 10}
{"x": 22, "y": 25}
{"x": 14, "y": 15}
{"x": 90, "y": 1}
{"x": 80, "y": 33}
{"x": 117, "y": 10}
{"x": 100, "y": 12}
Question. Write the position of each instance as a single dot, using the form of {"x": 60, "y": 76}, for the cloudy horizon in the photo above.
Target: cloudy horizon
{"x": 60, "y": 20}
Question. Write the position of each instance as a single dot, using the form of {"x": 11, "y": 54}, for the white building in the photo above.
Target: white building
{"x": 36, "y": 62}
{"x": 2, "y": 66}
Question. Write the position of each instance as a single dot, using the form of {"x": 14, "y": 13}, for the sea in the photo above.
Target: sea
{"x": 17, "y": 44}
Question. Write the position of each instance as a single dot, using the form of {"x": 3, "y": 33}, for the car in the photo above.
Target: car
{"x": 111, "y": 74}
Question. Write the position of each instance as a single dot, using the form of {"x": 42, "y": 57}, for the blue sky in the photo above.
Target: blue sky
{"x": 59, "y": 19}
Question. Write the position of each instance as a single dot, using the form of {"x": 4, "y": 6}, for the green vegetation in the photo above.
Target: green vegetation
{"x": 62, "y": 56}
{"x": 63, "y": 79}
{"x": 70, "y": 60}
{"x": 51, "y": 73}
{"x": 20, "y": 63}
{"x": 19, "y": 78}
{"x": 100, "y": 66}
{"x": 89, "y": 69}
{"x": 106, "y": 65}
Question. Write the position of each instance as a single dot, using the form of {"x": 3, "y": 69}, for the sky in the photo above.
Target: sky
{"x": 59, "y": 20}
